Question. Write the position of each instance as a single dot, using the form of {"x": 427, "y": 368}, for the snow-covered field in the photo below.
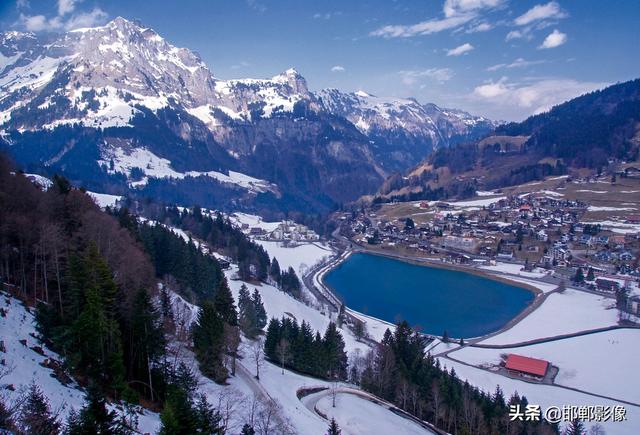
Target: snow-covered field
{"x": 598, "y": 363}
{"x": 516, "y": 269}
{"x": 300, "y": 257}
{"x": 545, "y": 395}
{"x": 103, "y": 199}
{"x": 561, "y": 313}
{"x": 356, "y": 415}
{"x": 253, "y": 221}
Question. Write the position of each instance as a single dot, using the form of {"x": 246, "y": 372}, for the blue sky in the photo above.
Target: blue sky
{"x": 499, "y": 58}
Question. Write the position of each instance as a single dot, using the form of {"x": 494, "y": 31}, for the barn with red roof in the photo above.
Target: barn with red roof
{"x": 518, "y": 364}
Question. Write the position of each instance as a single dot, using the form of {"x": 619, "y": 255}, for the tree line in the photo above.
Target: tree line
{"x": 398, "y": 370}
{"x": 299, "y": 348}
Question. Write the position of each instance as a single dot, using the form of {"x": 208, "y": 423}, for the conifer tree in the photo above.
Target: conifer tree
{"x": 246, "y": 312}
{"x": 261, "y": 314}
{"x": 208, "y": 342}
{"x": 274, "y": 270}
{"x": 94, "y": 418}
{"x": 579, "y": 276}
{"x": 208, "y": 419}
{"x": 36, "y": 417}
{"x": 576, "y": 427}
{"x": 334, "y": 429}
{"x": 247, "y": 429}
{"x": 225, "y": 305}
{"x": 591, "y": 275}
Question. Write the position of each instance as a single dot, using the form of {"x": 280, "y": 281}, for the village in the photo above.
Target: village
{"x": 532, "y": 231}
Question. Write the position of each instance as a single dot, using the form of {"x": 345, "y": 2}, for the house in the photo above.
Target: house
{"x": 463, "y": 243}
{"x": 521, "y": 365}
{"x": 607, "y": 285}
{"x": 633, "y": 305}
{"x": 224, "y": 264}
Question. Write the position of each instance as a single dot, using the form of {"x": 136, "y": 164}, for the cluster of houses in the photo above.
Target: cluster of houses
{"x": 536, "y": 230}
{"x": 285, "y": 231}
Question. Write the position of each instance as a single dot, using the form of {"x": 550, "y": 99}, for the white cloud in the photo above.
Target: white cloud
{"x": 66, "y": 6}
{"x": 38, "y": 23}
{"x": 535, "y": 96}
{"x": 554, "y": 39}
{"x": 518, "y": 63}
{"x": 547, "y": 11}
{"x": 22, "y": 4}
{"x": 456, "y": 13}
{"x": 337, "y": 68}
{"x": 326, "y": 15}
{"x": 515, "y": 34}
{"x": 65, "y": 19}
{"x": 411, "y": 77}
{"x": 481, "y": 27}
{"x": 457, "y": 7}
{"x": 423, "y": 28}
{"x": 460, "y": 50}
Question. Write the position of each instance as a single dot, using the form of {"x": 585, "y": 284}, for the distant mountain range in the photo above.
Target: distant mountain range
{"x": 118, "y": 109}
{"x": 586, "y": 133}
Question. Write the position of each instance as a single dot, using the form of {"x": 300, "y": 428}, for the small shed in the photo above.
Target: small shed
{"x": 528, "y": 366}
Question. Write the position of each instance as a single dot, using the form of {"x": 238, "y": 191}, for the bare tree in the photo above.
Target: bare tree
{"x": 283, "y": 352}
{"x": 257, "y": 355}
{"x": 334, "y": 392}
{"x": 231, "y": 342}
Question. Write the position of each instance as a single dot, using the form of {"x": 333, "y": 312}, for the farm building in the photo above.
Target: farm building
{"x": 522, "y": 365}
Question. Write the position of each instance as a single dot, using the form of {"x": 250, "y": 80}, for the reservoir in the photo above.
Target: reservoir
{"x": 435, "y": 299}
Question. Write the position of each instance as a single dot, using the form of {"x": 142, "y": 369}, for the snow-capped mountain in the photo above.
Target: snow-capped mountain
{"x": 401, "y": 129}
{"x": 118, "y": 108}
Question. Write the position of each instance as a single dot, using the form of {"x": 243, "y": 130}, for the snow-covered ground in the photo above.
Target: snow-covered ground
{"x": 598, "y": 363}
{"x": 301, "y": 256}
{"x": 23, "y": 366}
{"x": 103, "y": 199}
{"x": 253, "y": 221}
{"x": 561, "y": 313}
{"x": 545, "y": 395}
{"x": 356, "y": 415}
{"x": 516, "y": 269}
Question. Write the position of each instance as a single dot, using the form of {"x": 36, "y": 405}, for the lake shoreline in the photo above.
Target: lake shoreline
{"x": 538, "y": 294}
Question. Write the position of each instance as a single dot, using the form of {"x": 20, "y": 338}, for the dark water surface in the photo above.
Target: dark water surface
{"x": 464, "y": 304}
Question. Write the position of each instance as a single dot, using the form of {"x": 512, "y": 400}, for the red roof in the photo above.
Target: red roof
{"x": 525, "y": 364}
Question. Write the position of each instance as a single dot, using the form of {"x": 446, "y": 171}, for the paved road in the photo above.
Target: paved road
{"x": 311, "y": 400}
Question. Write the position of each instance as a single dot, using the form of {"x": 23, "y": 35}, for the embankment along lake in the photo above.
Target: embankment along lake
{"x": 434, "y": 298}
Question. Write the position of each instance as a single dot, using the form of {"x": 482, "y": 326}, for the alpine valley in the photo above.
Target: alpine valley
{"x": 119, "y": 109}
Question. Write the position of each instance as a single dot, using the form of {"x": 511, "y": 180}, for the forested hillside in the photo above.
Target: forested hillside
{"x": 586, "y": 132}
{"x": 92, "y": 279}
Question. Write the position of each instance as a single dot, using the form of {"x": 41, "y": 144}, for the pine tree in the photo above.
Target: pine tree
{"x": 247, "y": 429}
{"x": 94, "y": 418}
{"x": 261, "y": 314}
{"x": 334, "y": 429}
{"x": 207, "y": 418}
{"x": 177, "y": 416}
{"x": 591, "y": 275}
{"x": 334, "y": 351}
{"x": 208, "y": 342}
{"x": 579, "y": 276}
{"x": 274, "y": 270}
{"x": 247, "y": 313}
{"x": 36, "y": 417}
{"x": 445, "y": 336}
{"x": 225, "y": 305}
{"x": 576, "y": 427}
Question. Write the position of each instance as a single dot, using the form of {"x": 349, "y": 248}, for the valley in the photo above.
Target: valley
{"x": 434, "y": 230}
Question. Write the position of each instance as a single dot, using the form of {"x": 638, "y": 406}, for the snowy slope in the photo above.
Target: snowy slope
{"x": 581, "y": 361}
{"x": 561, "y": 313}
{"x": 545, "y": 395}
{"x": 24, "y": 366}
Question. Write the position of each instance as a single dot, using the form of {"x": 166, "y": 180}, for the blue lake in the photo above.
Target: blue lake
{"x": 436, "y": 299}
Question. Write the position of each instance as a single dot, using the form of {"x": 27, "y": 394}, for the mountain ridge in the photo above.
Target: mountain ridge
{"x": 92, "y": 98}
